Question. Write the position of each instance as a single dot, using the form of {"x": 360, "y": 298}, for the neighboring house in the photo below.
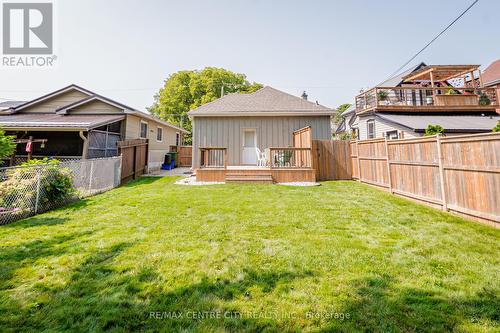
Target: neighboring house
{"x": 403, "y": 106}
{"x": 348, "y": 123}
{"x": 263, "y": 119}
{"x": 491, "y": 77}
{"x": 78, "y": 123}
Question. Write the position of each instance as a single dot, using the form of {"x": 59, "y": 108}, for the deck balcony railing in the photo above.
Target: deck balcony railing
{"x": 213, "y": 157}
{"x": 290, "y": 157}
{"x": 426, "y": 97}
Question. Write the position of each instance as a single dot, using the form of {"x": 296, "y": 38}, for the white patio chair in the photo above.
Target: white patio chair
{"x": 261, "y": 157}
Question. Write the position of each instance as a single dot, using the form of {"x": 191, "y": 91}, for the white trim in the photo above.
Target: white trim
{"x": 368, "y": 122}
{"x": 46, "y": 97}
{"x": 64, "y": 110}
{"x": 242, "y": 147}
{"x": 140, "y": 129}
{"x": 157, "y": 128}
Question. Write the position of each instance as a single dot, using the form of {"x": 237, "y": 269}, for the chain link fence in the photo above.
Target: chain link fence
{"x": 29, "y": 190}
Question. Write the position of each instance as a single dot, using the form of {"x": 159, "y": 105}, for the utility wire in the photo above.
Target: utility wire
{"x": 432, "y": 41}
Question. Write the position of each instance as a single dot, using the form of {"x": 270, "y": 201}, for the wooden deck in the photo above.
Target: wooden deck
{"x": 255, "y": 174}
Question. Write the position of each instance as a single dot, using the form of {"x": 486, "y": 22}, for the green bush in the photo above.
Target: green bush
{"x": 497, "y": 127}
{"x": 19, "y": 190}
{"x": 434, "y": 130}
{"x": 484, "y": 99}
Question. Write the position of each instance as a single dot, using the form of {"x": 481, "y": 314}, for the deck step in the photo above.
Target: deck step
{"x": 260, "y": 178}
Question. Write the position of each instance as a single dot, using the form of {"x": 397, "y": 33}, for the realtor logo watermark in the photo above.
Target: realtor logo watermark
{"x": 28, "y": 34}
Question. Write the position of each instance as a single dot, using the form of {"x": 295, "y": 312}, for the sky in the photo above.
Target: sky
{"x": 125, "y": 49}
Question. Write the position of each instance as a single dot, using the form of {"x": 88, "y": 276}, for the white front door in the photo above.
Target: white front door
{"x": 249, "y": 156}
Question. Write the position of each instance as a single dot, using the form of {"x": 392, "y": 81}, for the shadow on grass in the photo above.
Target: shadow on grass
{"x": 100, "y": 297}
{"x": 379, "y": 305}
{"x": 35, "y": 222}
{"x": 25, "y": 254}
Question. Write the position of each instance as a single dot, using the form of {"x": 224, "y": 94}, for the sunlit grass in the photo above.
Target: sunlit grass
{"x": 338, "y": 257}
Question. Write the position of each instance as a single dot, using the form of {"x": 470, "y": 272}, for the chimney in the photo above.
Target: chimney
{"x": 304, "y": 95}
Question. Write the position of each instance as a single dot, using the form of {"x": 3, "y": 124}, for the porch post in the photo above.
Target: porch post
{"x": 433, "y": 90}
{"x": 85, "y": 145}
{"x": 480, "y": 79}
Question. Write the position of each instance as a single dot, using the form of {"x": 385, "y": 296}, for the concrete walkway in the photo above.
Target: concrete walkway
{"x": 183, "y": 171}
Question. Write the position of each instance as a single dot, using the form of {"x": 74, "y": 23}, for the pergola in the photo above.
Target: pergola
{"x": 441, "y": 73}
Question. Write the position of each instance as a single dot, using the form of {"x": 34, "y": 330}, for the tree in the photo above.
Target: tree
{"x": 497, "y": 127}
{"x": 338, "y": 112}
{"x": 187, "y": 90}
{"x": 7, "y": 145}
{"x": 434, "y": 130}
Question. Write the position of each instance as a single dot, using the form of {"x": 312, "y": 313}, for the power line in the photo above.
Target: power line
{"x": 432, "y": 41}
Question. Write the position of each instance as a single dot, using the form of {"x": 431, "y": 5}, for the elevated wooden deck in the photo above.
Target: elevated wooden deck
{"x": 255, "y": 174}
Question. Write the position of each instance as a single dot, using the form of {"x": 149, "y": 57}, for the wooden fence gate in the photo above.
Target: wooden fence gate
{"x": 331, "y": 159}
{"x": 184, "y": 156}
{"x": 134, "y": 158}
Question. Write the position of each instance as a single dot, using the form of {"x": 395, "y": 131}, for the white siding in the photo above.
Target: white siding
{"x": 382, "y": 127}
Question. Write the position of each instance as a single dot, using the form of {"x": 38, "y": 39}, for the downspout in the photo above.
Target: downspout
{"x": 85, "y": 145}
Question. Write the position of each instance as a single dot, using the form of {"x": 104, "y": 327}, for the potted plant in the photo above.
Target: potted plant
{"x": 382, "y": 95}
{"x": 484, "y": 99}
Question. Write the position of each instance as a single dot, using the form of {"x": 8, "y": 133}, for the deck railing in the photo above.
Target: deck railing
{"x": 426, "y": 96}
{"x": 290, "y": 157}
{"x": 213, "y": 157}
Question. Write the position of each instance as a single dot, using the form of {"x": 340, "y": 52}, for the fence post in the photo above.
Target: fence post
{"x": 358, "y": 162}
{"x": 441, "y": 172}
{"x": 119, "y": 176}
{"x": 38, "y": 181}
{"x": 389, "y": 178}
{"x": 91, "y": 174}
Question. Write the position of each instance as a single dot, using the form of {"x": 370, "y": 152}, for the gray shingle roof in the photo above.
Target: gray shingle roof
{"x": 10, "y": 104}
{"x": 45, "y": 120}
{"x": 266, "y": 100}
{"x": 454, "y": 123}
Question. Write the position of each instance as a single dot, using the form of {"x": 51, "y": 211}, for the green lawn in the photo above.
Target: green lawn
{"x": 338, "y": 257}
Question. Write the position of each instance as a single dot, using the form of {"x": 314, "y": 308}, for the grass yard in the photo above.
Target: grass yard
{"x": 154, "y": 256}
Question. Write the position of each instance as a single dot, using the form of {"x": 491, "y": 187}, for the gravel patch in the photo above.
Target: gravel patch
{"x": 191, "y": 181}
{"x": 300, "y": 184}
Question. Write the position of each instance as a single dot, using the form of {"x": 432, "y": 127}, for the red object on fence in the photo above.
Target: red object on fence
{"x": 29, "y": 147}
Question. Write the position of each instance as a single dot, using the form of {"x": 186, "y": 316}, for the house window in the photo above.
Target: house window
{"x": 177, "y": 139}
{"x": 144, "y": 130}
{"x": 392, "y": 135}
{"x": 159, "y": 134}
{"x": 355, "y": 133}
{"x": 370, "y": 128}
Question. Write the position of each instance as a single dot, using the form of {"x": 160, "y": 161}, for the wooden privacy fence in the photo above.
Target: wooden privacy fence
{"x": 134, "y": 158}
{"x": 456, "y": 173}
{"x": 331, "y": 159}
{"x": 184, "y": 156}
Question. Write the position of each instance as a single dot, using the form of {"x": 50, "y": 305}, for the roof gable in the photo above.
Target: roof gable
{"x": 266, "y": 100}
{"x": 55, "y": 99}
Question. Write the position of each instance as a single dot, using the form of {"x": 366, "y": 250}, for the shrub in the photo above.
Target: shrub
{"x": 497, "y": 127}
{"x": 19, "y": 189}
{"x": 434, "y": 130}
{"x": 484, "y": 99}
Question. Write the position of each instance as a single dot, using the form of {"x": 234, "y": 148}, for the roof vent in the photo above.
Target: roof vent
{"x": 304, "y": 95}
{"x": 317, "y": 103}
